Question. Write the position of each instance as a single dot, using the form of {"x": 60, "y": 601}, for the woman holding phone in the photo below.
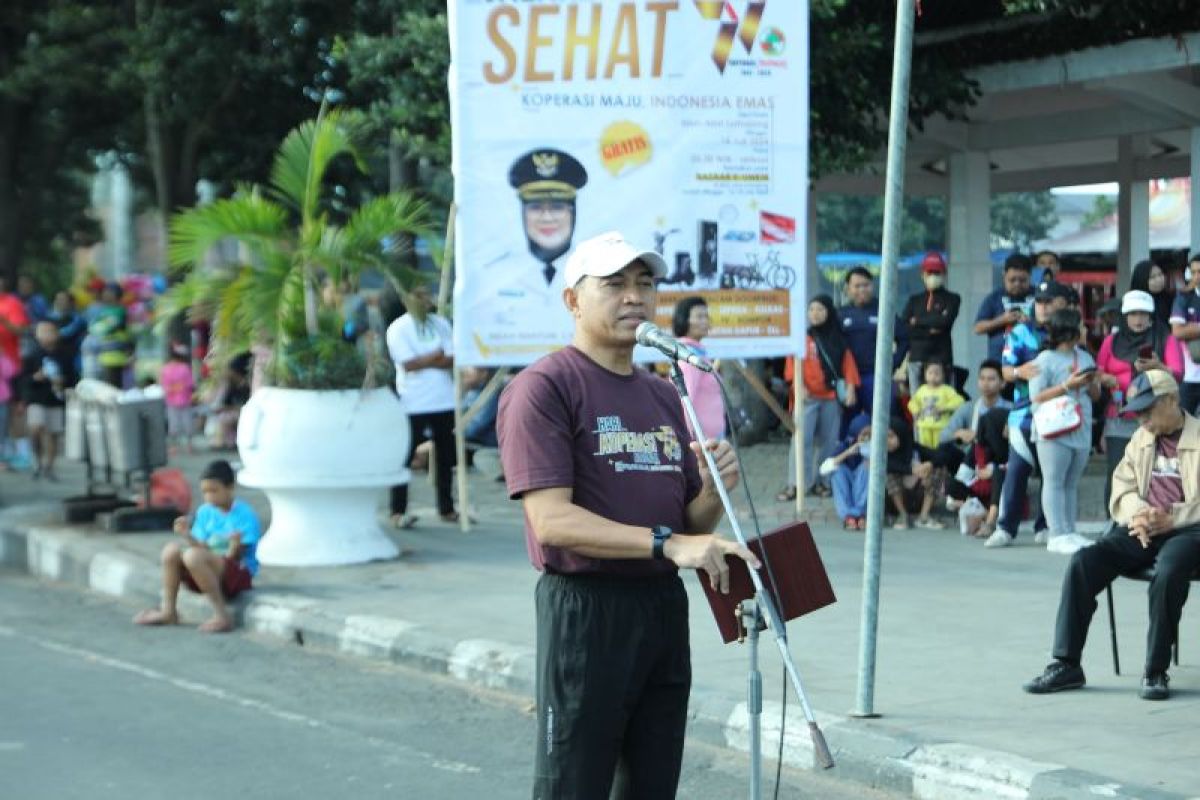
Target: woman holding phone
{"x": 1065, "y": 369}
{"x": 1140, "y": 343}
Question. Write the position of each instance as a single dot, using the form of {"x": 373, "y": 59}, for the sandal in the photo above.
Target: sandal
{"x": 787, "y": 495}
{"x": 821, "y": 490}
{"x": 404, "y": 521}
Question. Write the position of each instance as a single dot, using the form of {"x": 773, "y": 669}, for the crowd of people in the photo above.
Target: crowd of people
{"x": 1044, "y": 401}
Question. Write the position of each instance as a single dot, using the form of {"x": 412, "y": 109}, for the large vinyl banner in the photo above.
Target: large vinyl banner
{"x": 681, "y": 123}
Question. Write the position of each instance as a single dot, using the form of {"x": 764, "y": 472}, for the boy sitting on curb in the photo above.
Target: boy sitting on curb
{"x": 217, "y": 557}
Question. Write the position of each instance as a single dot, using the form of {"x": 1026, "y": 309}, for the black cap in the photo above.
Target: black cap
{"x": 547, "y": 174}
{"x": 1050, "y": 290}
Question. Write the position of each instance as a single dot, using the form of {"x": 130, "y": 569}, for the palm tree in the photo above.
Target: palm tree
{"x": 288, "y": 247}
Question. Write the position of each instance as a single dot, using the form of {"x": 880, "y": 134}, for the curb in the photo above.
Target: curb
{"x": 35, "y": 541}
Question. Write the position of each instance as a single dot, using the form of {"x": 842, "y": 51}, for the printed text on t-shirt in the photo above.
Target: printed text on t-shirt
{"x": 648, "y": 449}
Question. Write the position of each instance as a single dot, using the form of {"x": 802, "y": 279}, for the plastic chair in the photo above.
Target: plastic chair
{"x": 1144, "y": 576}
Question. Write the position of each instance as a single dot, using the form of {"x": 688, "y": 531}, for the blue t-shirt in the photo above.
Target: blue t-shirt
{"x": 995, "y": 304}
{"x": 1021, "y": 345}
{"x": 860, "y": 326}
{"x": 213, "y": 527}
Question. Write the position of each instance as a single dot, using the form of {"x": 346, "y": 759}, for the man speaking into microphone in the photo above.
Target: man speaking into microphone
{"x": 616, "y": 501}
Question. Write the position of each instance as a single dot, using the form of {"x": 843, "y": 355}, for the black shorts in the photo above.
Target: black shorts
{"x": 613, "y": 676}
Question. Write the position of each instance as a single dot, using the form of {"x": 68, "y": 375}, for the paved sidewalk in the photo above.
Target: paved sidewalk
{"x": 961, "y": 628}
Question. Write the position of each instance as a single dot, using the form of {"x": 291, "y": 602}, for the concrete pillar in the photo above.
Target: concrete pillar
{"x": 969, "y": 224}
{"x": 1195, "y": 187}
{"x": 1133, "y": 208}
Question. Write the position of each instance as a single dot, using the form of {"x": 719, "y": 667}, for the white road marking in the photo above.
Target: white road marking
{"x": 217, "y": 693}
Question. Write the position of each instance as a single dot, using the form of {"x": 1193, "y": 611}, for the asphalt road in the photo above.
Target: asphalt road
{"x": 94, "y": 707}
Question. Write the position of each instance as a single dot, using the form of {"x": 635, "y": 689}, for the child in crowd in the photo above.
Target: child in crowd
{"x": 849, "y": 474}
{"x": 910, "y": 482}
{"x": 932, "y": 405}
{"x": 178, "y": 387}
{"x": 8, "y": 371}
{"x": 235, "y": 395}
{"x": 217, "y": 556}
{"x": 982, "y": 475}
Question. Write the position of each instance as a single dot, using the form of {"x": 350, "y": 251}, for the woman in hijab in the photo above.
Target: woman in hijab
{"x": 1149, "y": 277}
{"x": 1141, "y": 343}
{"x": 831, "y": 382}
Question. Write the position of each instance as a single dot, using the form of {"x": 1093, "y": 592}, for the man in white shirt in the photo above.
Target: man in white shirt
{"x": 420, "y": 344}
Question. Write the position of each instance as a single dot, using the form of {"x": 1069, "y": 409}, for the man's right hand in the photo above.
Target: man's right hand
{"x": 707, "y": 552}
{"x": 182, "y": 527}
{"x": 1011, "y": 317}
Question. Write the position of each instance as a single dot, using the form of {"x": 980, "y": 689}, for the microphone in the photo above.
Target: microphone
{"x": 650, "y": 335}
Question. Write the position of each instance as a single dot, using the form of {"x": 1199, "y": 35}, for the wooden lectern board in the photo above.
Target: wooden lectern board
{"x": 802, "y": 584}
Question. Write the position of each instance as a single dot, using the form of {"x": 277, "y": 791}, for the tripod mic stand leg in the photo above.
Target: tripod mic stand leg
{"x": 751, "y": 621}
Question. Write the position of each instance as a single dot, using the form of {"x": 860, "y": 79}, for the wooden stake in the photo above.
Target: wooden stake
{"x": 447, "y": 262}
{"x": 798, "y": 432}
{"x": 460, "y": 456}
{"x": 460, "y": 442}
{"x": 762, "y": 391}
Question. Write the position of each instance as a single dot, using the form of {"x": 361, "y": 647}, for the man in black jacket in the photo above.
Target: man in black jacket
{"x": 930, "y": 316}
{"x": 46, "y": 374}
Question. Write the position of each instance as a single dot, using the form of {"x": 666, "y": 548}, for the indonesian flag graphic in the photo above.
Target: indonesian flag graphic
{"x": 776, "y": 228}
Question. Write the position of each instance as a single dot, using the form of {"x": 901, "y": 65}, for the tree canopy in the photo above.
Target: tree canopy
{"x": 205, "y": 88}
{"x": 853, "y": 223}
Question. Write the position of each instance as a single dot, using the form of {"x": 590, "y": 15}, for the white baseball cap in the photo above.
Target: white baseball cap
{"x": 608, "y": 254}
{"x": 1137, "y": 300}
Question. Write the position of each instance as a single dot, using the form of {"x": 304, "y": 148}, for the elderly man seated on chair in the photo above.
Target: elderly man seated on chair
{"x": 1155, "y": 506}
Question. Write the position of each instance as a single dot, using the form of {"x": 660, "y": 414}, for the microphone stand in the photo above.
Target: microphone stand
{"x": 754, "y": 615}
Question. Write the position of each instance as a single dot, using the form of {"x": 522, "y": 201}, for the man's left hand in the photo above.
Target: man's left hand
{"x": 726, "y": 460}
{"x": 1158, "y": 521}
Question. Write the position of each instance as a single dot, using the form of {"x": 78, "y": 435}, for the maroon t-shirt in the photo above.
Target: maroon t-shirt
{"x": 618, "y": 441}
{"x": 1166, "y": 483}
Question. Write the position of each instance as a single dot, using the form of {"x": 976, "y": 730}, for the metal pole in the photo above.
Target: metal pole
{"x": 882, "y": 399}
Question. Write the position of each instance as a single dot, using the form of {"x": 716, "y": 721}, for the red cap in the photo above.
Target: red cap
{"x": 933, "y": 262}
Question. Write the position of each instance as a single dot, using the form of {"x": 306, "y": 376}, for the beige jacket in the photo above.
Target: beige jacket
{"x": 1131, "y": 479}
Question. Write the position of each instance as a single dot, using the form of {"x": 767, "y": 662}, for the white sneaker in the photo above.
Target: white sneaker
{"x": 1000, "y": 538}
{"x": 1041, "y": 537}
{"x": 1068, "y": 543}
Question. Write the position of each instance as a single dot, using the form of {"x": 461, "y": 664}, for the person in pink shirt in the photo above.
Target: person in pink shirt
{"x": 690, "y": 324}
{"x": 178, "y": 388}
{"x": 1140, "y": 343}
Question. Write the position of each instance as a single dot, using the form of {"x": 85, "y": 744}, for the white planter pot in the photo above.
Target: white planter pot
{"x": 323, "y": 458}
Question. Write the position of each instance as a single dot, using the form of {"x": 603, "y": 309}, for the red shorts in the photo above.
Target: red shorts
{"x": 235, "y": 579}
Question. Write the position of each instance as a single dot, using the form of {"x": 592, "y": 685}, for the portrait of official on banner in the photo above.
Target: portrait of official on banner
{"x": 681, "y": 123}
